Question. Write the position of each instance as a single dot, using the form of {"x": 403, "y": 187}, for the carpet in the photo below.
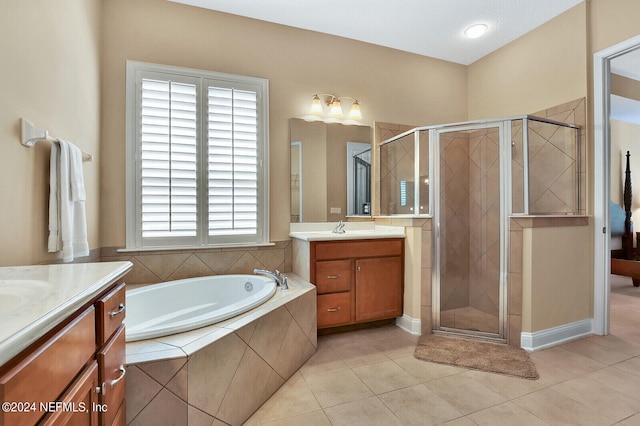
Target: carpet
{"x": 477, "y": 355}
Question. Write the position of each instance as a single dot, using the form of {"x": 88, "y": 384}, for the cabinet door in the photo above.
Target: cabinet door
{"x": 379, "y": 288}
{"x": 78, "y": 402}
{"x": 111, "y": 365}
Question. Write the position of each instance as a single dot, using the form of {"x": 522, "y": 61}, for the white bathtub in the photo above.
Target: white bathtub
{"x": 177, "y": 306}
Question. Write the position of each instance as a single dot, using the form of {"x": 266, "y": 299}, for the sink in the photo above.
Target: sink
{"x": 17, "y": 294}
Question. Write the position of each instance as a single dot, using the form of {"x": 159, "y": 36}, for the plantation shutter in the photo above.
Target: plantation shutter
{"x": 233, "y": 161}
{"x": 196, "y": 145}
{"x": 168, "y": 159}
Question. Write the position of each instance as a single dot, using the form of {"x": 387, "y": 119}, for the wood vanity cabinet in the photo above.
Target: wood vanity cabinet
{"x": 74, "y": 374}
{"x": 357, "y": 281}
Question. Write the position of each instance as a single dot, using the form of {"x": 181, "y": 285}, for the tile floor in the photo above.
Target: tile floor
{"x": 371, "y": 378}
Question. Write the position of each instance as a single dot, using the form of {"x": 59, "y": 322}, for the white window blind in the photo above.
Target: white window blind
{"x": 168, "y": 159}
{"x": 196, "y": 150}
{"x": 233, "y": 160}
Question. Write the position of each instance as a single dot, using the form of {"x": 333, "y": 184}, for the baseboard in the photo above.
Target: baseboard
{"x": 408, "y": 324}
{"x": 556, "y": 335}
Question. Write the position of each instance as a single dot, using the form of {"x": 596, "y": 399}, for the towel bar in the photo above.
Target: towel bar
{"x": 32, "y": 135}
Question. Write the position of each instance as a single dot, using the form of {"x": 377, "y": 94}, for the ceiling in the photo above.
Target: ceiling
{"x": 432, "y": 28}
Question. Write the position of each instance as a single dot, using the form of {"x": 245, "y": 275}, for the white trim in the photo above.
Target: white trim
{"x": 602, "y": 179}
{"x": 556, "y": 335}
{"x": 409, "y": 324}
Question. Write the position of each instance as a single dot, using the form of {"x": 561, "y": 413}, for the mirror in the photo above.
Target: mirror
{"x": 330, "y": 171}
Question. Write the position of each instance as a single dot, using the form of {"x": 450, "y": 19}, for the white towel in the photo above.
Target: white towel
{"x": 67, "y": 216}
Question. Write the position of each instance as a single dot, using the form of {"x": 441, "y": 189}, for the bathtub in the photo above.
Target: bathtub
{"x": 177, "y": 306}
{"x": 247, "y": 357}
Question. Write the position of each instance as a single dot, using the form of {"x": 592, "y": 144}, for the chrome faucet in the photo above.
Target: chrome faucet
{"x": 280, "y": 279}
{"x": 339, "y": 229}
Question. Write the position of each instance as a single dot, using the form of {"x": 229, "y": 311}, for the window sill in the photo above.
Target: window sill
{"x": 215, "y": 247}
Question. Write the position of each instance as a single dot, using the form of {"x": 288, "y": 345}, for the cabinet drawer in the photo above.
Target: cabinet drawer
{"x": 334, "y": 309}
{"x": 111, "y": 370}
{"x": 81, "y": 399}
{"x": 333, "y": 276}
{"x": 45, "y": 374}
{"x": 111, "y": 312}
{"x": 327, "y": 250}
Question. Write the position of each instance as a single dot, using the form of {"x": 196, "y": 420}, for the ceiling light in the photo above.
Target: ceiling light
{"x": 476, "y": 30}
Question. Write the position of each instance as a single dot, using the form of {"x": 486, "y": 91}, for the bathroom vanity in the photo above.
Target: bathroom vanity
{"x": 359, "y": 275}
{"x": 62, "y": 344}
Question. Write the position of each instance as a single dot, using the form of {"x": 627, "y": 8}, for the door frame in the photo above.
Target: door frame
{"x": 602, "y": 179}
{"x": 504, "y": 159}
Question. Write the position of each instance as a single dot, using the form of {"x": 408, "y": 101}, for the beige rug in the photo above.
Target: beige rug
{"x": 478, "y": 355}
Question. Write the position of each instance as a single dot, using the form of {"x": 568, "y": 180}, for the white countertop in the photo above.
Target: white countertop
{"x": 353, "y": 231}
{"x": 34, "y": 299}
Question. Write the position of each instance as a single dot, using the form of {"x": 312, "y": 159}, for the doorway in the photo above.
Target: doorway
{"x": 471, "y": 220}
{"x": 602, "y": 179}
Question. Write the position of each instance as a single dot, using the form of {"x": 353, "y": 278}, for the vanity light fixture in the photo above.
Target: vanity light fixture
{"x": 335, "y": 106}
{"x": 476, "y": 30}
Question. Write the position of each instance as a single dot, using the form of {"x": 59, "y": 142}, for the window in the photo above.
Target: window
{"x": 196, "y": 158}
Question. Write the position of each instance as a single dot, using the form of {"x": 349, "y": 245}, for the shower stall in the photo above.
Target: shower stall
{"x": 470, "y": 179}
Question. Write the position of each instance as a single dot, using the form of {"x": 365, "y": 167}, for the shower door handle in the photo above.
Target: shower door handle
{"x": 438, "y": 230}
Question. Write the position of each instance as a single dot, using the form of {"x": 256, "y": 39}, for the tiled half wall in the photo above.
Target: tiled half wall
{"x": 160, "y": 266}
{"x": 224, "y": 382}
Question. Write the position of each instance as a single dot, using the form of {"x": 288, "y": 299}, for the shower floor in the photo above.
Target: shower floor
{"x": 469, "y": 318}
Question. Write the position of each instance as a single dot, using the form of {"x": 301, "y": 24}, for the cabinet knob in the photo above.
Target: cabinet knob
{"x": 102, "y": 389}
{"x": 333, "y": 277}
{"x": 358, "y": 269}
{"x": 333, "y": 309}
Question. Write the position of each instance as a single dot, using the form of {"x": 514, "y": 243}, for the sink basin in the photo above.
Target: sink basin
{"x": 15, "y": 295}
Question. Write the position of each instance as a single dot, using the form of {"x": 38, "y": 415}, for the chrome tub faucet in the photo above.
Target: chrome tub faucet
{"x": 280, "y": 279}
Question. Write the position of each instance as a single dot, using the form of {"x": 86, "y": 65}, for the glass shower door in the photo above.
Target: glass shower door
{"x": 469, "y": 217}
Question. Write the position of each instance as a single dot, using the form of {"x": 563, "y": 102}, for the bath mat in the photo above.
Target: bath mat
{"x": 477, "y": 355}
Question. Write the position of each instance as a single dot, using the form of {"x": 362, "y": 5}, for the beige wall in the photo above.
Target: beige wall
{"x": 612, "y": 21}
{"x": 545, "y": 67}
{"x": 556, "y": 289}
{"x": 391, "y": 85}
{"x": 49, "y": 74}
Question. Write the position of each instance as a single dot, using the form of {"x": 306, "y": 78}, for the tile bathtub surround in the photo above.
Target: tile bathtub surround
{"x": 221, "y": 374}
{"x": 371, "y": 377}
{"x": 162, "y": 265}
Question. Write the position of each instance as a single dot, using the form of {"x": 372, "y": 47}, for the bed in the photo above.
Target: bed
{"x": 624, "y": 257}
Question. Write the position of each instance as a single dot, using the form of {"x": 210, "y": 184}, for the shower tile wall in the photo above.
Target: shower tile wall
{"x": 454, "y": 221}
{"x": 160, "y": 266}
{"x": 484, "y": 208}
{"x": 381, "y": 132}
{"x": 470, "y": 220}
{"x": 553, "y": 162}
{"x": 396, "y": 170}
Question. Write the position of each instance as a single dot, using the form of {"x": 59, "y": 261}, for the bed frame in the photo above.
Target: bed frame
{"x": 625, "y": 261}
